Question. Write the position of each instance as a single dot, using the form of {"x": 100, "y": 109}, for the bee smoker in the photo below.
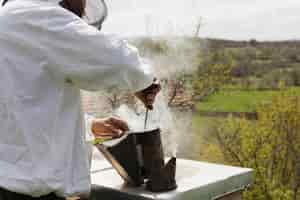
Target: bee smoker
{"x": 139, "y": 159}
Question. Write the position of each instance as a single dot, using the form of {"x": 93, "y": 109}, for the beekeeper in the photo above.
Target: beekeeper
{"x": 48, "y": 53}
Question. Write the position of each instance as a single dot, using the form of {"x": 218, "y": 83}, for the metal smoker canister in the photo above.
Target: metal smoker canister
{"x": 141, "y": 156}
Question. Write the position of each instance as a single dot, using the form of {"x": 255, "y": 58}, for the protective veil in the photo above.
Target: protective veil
{"x": 96, "y": 12}
{"x": 46, "y": 55}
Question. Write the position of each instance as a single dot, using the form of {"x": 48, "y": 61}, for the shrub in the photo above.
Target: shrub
{"x": 271, "y": 146}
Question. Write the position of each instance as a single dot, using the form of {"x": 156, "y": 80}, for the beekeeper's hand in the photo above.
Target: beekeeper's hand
{"x": 110, "y": 127}
{"x": 148, "y": 95}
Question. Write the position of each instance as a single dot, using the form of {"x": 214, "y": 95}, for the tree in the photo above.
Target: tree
{"x": 198, "y": 27}
{"x": 213, "y": 72}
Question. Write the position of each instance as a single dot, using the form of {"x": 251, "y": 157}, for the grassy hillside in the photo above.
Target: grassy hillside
{"x": 237, "y": 100}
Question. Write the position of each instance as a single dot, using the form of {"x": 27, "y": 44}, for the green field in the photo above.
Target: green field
{"x": 237, "y": 100}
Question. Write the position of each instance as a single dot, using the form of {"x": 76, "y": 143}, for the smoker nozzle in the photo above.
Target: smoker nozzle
{"x": 162, "y": 180}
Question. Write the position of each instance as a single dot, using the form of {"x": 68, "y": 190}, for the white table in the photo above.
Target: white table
{"x": 196, "y": 181}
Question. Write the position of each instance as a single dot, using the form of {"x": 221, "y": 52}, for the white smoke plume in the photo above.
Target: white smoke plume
{"x": 176, "y": 126}
{"x": 180, "y": 58}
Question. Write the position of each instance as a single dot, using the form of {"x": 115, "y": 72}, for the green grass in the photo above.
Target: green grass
{"x": 237, "y": 100}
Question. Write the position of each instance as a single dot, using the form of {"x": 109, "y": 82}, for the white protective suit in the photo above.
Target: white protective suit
{"x": 46, "y": 55}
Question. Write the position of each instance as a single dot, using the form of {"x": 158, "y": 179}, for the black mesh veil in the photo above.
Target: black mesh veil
{"x": 3, "y": 2}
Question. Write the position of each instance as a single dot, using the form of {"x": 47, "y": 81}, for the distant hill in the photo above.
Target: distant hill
{"x": 223, "y": 43}
{"x": 217, "y": 43}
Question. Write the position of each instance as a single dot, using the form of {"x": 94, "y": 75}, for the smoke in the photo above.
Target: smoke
{"x": 179, "y": 60}
{"x": 179, "y": 56}
{"x": 161, "y": 117}
{"x": 170, "y": 66}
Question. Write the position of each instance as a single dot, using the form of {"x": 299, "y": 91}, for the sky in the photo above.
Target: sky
{"x": 228, "y": 19}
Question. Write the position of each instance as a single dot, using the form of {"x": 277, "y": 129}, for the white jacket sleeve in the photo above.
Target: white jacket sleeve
{"x": 90, "y": 60}
{"x": 89, "y": 136}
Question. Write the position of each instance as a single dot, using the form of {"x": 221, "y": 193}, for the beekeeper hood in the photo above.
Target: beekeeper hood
{"x": 95, "y": 13}
{"x": 52, "y": 1}
{"x": 47, "y": 55}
